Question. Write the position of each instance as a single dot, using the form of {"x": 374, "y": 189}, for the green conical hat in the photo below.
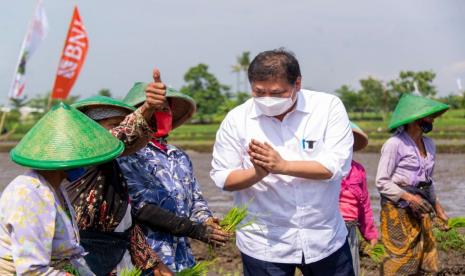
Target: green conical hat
{"x": 98, "y": 101}
{"x": 411, "y": 108}
{"x": 182, "y": 106}
{"x": 65, "y": 138}
{"x": 360, "y": 137}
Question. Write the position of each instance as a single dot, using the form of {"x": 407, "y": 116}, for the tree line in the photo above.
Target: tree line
{"x": 215, "y": 99}
{"x": 381, "y": 97}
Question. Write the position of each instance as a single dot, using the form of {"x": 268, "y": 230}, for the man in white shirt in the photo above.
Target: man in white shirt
{"x": 284, "y": 153}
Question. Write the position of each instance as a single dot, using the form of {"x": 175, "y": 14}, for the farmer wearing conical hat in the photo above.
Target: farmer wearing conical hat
{"x": 99, "y": 193}
{"x": 354, "y": 202}
{"x": 38, "y": 231}
{"x": 162, "y": 174}
{"x": 405, "y": 182}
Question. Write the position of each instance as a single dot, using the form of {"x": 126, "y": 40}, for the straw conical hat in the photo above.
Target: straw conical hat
{"x": 182, "y": 106}
{"x": 97, "y": 101}
{"x": 360, "y": 137}
{"x": 65, "y": 138}
{"x": 411, "y": 108}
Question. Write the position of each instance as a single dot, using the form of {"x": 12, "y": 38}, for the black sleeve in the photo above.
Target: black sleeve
{"x": 160, "y": 219}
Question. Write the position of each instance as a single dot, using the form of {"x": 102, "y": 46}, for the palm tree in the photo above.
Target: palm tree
{"x": 236, "y": 68}
{"x": 242, "y": 65}
{"x": 244, "y": 61}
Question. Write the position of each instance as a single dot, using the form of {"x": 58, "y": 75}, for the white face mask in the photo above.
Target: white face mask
{"x": 274, "y": 106}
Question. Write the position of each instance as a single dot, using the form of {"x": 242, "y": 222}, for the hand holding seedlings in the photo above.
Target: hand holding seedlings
{"x": 214, "y": 234}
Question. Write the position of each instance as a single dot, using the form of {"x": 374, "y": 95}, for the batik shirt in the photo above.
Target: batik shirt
{"x": 36, "y": 234}
{"x": 166, "y": 178}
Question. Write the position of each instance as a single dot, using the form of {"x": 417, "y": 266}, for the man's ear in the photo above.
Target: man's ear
{"x": 298, "y": 83}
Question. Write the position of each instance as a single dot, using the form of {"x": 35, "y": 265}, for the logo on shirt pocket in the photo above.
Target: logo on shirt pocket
{"x": 308, "y": 144}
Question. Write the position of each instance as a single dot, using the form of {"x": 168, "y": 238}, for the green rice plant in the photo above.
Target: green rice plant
{"x": 199, "y": 269}
{"x": 451, "y": 239}
{"x": 131, "y": 272}
{"x": 69, "y": 268}
{"x": 456, "y": 222}
{"x": 377, "y": 253}
{"x": 234, "y": 217}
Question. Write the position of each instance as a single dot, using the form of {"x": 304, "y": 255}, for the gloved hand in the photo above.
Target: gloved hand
{"x": 210, "y": 233}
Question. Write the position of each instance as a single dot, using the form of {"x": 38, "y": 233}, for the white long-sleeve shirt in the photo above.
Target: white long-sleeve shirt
{"x": 293, "y": 216}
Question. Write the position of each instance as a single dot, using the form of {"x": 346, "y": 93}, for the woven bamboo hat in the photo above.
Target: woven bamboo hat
{"x": 102, "y": 107}
{"x": 360, "y": 137}
{"x": 411, "y": 108}
{"x": 65, "y": 138}
{"x": 182, "y": 106}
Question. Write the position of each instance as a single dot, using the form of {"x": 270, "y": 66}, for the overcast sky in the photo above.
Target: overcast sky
{"x": 336, "y": 42}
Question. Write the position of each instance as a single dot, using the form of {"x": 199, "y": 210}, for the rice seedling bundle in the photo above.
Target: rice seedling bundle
{"x": 456, "y": 222}
{"x": 451, "y": 239}
{"x": 132, "y": 272}
{"x": 233, "y": 218}
{"x": 377, "y": 253}
{"x": 69, "y": 268}
{"x": 200, "y": 269}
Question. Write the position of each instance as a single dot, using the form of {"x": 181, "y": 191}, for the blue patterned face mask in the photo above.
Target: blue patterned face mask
{"x": 426, "y": 126}
{"x": 74, "y": 174}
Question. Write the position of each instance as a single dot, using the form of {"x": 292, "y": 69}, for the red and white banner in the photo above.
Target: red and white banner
{"x": 72, "y": 58}
{"x": 36, "y": 33}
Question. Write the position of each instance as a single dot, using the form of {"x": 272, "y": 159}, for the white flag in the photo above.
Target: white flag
{"x": 35, "y": 34}
{"x": 459, "y": 83}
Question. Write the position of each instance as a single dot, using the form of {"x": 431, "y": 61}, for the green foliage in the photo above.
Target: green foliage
{"x": 377, "y": 253}
{"x": 405, "y": 83}
{"x": 234, "y": 217}
{"x": 199, "y": 269}
{"x": 206, "y": 90}
{"x": 377, "y": 96}
{"x": 104, "y": 92}
{"x": 240, "y": 68}
{"x": 69, "y": 268}
{"x": 18, "y": 103}
{"x": 454, "y": 101}
{"x": 231, "y": 102}
{"x": 456, "y": 222}
{"x": 451, "y": 239}
{"x": 133, "y": 272}
{"x": 451, "y": 125}
{"x": 351, "y": 99}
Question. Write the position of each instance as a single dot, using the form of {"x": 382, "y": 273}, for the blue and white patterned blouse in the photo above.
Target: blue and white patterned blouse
{"x": 166, "y": 179}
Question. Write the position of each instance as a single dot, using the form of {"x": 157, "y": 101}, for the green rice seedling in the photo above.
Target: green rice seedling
{"x": 451, "y": 239}
{"x": 234, "y": 217}
{"x": 377, "y": 253}
{"x": 69, "y": 268}
{"x": 131, "y": 272}
{"x": 200, "y": 269}
{"x": 456, "y": 222}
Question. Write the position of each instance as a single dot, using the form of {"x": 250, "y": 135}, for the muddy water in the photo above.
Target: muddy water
{"x": 449, "y": 175}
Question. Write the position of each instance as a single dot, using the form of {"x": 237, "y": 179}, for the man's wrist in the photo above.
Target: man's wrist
{"x": 285, "y": 167}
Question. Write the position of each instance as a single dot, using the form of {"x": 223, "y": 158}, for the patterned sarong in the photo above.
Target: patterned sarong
{"x": 409, "y": 242}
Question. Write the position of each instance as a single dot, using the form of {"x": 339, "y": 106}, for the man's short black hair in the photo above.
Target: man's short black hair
{"x": 274, "y": 64}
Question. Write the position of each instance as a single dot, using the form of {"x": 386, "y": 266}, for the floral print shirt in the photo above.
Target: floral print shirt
{"x": 165, "y": 178}
{"x": 36, "y": 234}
